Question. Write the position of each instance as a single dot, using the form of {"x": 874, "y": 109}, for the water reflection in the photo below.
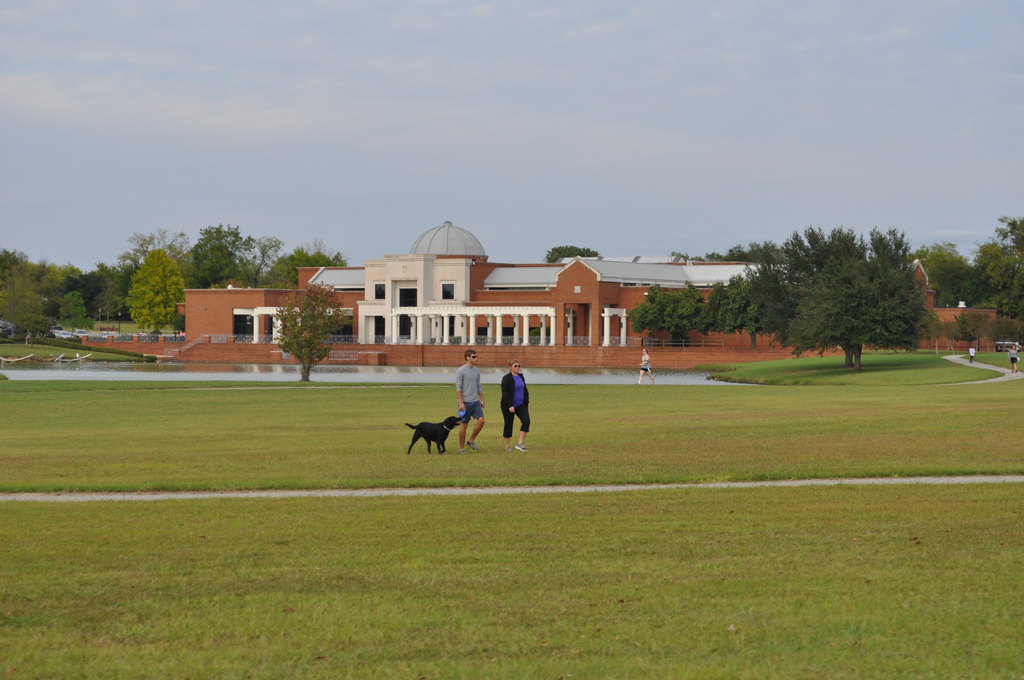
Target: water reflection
{"x": 348, "y": 374}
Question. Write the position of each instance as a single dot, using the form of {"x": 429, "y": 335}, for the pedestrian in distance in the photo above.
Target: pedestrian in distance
{"x": 515, "y": 402}
{"x": 970, "y": 354}
{"x": 1014, "y": 358}
{"x": 471, "y": 400}
{"x": 645, "y": 368}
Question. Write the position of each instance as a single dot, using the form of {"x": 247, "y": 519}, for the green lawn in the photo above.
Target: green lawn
{"x": 854, "y": 582}
{"x": 813, "y": 582}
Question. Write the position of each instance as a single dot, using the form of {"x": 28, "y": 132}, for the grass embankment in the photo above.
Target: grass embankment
{"x": 893, "y": 582}
{"x": 877, "y": 368}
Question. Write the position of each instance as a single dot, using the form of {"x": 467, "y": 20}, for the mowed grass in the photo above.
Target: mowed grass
{"x": 877, "y": 369}
{"x": 135, "y": 436}
{"x": 907, "y": 581}
{"x": 842, "y": 582}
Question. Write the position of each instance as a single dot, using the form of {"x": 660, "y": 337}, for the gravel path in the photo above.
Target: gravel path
{"x": 495, "y": 490}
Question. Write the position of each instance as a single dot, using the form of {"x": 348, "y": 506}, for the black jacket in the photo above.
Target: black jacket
{"x": 508, "y": 391}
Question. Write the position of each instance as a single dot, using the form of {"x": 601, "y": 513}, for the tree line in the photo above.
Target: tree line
{"x": 819, "y": 290}
{"x": 804, "y": 292}
{"x": 148, "y": 279}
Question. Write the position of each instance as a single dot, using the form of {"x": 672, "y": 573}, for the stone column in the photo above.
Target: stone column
{"x": 606, "y": 338}
{"x": 622, "y": 328}
{"x": 472, "y": 330}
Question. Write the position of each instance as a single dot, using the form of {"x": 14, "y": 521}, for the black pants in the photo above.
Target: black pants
{"x": 524, "y": 420}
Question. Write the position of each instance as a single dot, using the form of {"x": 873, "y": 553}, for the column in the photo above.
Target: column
{"x": 622, "y": 327}
{"x": 472, "y": 329}
{"x": 499, "y": 321}
{"x": 394, "y": 328}
{"x": 606, "y": 317}
{"x": 570, "y": 335}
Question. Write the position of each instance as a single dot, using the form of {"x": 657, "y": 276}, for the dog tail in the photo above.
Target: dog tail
{"x": 410, "y": 426}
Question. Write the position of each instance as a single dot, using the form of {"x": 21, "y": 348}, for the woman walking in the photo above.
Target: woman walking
{"x": 515, "y": 402}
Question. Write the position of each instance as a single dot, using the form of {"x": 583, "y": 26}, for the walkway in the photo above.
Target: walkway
{"x": 1006, "y": 374}
{"x": 498, "y": 490}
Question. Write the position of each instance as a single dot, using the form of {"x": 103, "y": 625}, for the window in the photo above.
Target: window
{"x": 378, "y": 291}
{"x": 406, "y": 297}
{"x": 447, "y": 291}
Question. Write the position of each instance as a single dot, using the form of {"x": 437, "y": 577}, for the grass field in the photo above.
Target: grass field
{"x": 836, "y": 582}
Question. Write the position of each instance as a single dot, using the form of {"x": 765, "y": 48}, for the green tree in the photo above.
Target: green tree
{"x": 676, "y": 311}
{"x": 73, "y": 313}
{"x": 949, "y": 273}
{"x": 306, "y": 320}
{"x": 558, "y": 252}
{"x": 284, "y": 273}
{"x": 215, "y": 256}
{"x": 731, "y": 309}
{"x": 21, "y": 302}
{"x": 1000, "y": 266}
{"x": 256, "y": 257}
{"x": 838, "y": 289}
{"x": 157, "y": 287}
{"x": 971, "y": 325}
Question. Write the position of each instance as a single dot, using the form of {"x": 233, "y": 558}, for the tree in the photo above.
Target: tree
{"x": 157, "y": 287}
{"x": 256, "y": 257}
{"x": 306, "y": 319}
{"x": 1000, "y": 267}
{"x": 676, "y": 311}
{"x": 285, "y": 273}
{"x": 971, "y": 325}
{"x": 823, "y": 290}
{"x": 73, "y": 312}
{"x": 558, "y": 252}
{"x": 730, "y": 308}
{"x": 949, "y": 274}
{"x": 215, "y": 256}
{"x": 21, "y": 302}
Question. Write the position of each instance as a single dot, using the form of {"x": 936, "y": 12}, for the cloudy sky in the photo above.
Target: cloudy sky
{"x": 635, "y": 128}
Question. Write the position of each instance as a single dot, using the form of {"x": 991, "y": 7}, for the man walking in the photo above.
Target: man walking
{"x": 471, "y": 400}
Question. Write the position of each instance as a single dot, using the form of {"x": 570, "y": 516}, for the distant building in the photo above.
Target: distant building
{"x": 446, "y": 290}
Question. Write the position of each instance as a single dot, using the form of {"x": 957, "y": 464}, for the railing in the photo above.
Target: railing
{"x": 657, "y": 342}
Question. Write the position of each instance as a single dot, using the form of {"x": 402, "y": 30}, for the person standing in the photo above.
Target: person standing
{"x": 471, "y": 400}
{"x": 515, "y": 401}
{"x": 645, "y": 368}
{"x": 970, "y": 353}
{"x": 1014, "y": 358}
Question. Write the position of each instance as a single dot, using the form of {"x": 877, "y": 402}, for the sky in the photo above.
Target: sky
{"x": 633, "y": 128}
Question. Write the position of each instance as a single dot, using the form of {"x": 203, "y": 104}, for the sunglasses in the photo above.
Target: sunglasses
{"x": 515, "y": 365}
{"x": 472, "y": 356}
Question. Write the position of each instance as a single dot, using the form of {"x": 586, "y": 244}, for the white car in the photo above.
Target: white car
{"x": 64, "y": 335}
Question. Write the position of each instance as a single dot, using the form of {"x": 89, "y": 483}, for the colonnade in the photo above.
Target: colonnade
{"x": 460, "y": 327}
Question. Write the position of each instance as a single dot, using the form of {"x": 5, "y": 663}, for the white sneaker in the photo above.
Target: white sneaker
{"x": 521, "y": 447}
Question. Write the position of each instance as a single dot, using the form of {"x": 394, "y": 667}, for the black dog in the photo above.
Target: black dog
{"x": 433, "y": 432}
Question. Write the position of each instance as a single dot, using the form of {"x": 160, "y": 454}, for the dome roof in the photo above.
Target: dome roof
{"x": 447, "y": 239}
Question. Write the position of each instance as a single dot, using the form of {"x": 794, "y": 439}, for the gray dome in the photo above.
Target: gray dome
{"x": 447, "y": 239}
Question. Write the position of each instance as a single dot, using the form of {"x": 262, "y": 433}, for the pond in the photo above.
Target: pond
{"x": 353, "y": 374}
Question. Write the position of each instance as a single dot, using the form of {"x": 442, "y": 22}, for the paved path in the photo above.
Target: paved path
{"x": 1006, "y": 374}
{"x": 497, "y": 490}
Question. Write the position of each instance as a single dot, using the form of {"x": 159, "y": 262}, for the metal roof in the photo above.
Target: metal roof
{"x": 447, "y": 239}
{"x": 352, "y": 277}
{"x": 523, "y": 277}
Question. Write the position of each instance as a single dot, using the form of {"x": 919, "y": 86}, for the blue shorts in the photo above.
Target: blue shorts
{"x": 474, "y": 409}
